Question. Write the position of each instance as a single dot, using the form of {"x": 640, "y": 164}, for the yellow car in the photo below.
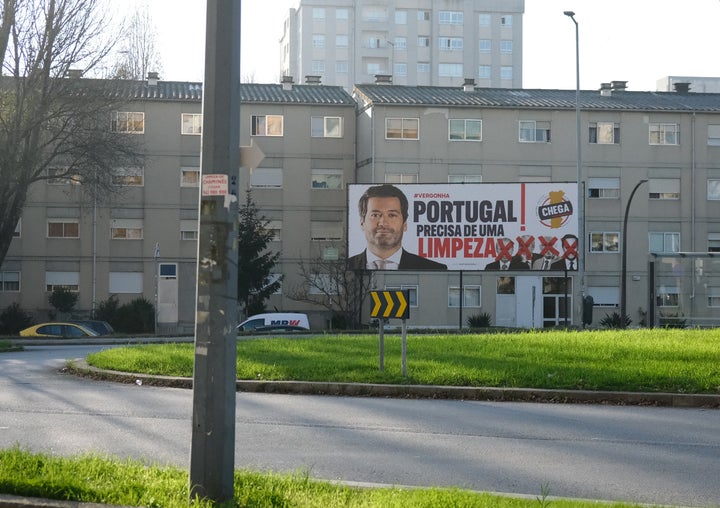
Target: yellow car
{"x": 58, "y": 329}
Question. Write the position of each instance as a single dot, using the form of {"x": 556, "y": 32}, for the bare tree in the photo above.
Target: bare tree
{"x": 137, "y": 47}
{"x": 53, "y": 125}
{"x": 333, "y": 285}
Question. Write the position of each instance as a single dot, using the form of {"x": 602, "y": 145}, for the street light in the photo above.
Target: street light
{"x": 623, "y": 268}
{"x": 580, "y": 190}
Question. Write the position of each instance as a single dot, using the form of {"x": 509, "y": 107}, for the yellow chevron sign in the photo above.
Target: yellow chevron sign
{"x": 390, "y": 304}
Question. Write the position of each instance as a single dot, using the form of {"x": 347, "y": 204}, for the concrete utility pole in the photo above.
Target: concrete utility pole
{"x": 212, "y": 455}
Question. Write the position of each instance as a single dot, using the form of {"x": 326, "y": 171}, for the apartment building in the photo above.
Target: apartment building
{"x": 320, "y": 142}
{"x": 414, "y": 42}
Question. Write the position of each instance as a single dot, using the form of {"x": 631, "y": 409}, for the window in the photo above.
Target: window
{"x": 189, "y": 177}
{"x": 452, "y": 70}
{"x": 423, "y": 68}
{"x": 506, "y": 20}
{"x": 664, "y": 188}
{"x": 342, "y": 41}
{"x": 534, "y": 132}
{"x": 342, "y": 14}
{"x": 192, "y": 123}
{"x": 9, "y": 282}
{"x": 318, "y": 66}
{"x": 63, "y": 228}
{"x": 506, "y": 46}
{"x": 128, "y": 177}
{"x": 318, "y": 41}
{"x": 472, "y": 296}
{"x": 62, "y": 280}
{"x": 604, "y": 133}
{"x": 423, "y": 41}
{"x": 713, "y": 296}
{"x": 267, "y": 125}
{"x": 401, "y": 17}
{"x": 126, "y": 229}
{"x": 402, "y": 128}
{"x": 401, "y": 178}
{"x": 325, "y": 230}
{"x": 604, "y": 188}
{"x": 464, "y": 178}
{"x": 327, "y": 179}
{"x": 341, "y": 66}
{"x": 412, "y": 293}
{"x": 713, "y": 189}
{"x": 605, "y": 296}
{"x": 713, "y": 242}
{"x": 326, "y": 127}
{"x": 400, "y": 69}
{"x": 318, "y": 13}
{"x": 423, "y": 15}
{"x": 664, "y": 134}
{"x": 188, "y": 229}
{"x": 464, "y": 130}
{"x": 450, "y": 43}
{"x": 713, "y": 135}
{"x": 604, "y": 242}
{"x": 323, "y": 284}
{"x": 506, "y": 72}
{"x": 484, "y": 72}
{"x": 664, "y": 242}
{"x": 400, "y": 43}
{"x": 62, "y": 176}
{"x": 485, "y": 45}
{"x": 373, "y": 68}
{"x": 451, "y": 17}
{"x": 484, "y": 19}
{"x": 18, "y": 229}
{"x": 127, "y": 122}
{"x": 668, "y": 296}
{"x": 373, "y": 42}
{"x": 125, "y": 282}
{"x": 266, "y": 178}
{"x": 275, "y": 227}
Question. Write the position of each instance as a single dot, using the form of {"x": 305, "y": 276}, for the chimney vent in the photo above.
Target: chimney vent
{"x": 682, "y": 87}
{"x": 383, "y": 79}
{"x": 606, "y": 89}
{"x": 287, "y": 82}
{"x": 74, "y": 73}
{"x": 312, "y": 80}
{"x": 619, "y": 85}
{"x": 469, "y": 85}
{"x": 152, "y": 78}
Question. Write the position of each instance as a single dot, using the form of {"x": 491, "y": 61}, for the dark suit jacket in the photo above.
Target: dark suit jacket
{"x": 515, "y": 264}
{"x": 560, "y": 265}
{"x": 408, "y": 261}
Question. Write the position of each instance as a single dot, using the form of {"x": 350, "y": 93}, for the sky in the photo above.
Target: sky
{"x": 638, "y": 41}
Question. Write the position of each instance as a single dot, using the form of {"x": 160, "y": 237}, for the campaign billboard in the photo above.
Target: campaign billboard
{"x": 483, "y": 226}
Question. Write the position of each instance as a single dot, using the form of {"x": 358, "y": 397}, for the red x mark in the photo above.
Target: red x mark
{"x": 570, "y": 246}
{"x": 524, "y": 246}
{"x": 548, "y": 245}
{"x": 505, "y": 246}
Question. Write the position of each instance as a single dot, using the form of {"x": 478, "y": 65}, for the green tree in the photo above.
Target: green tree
{"x": 63, "y": 299}
{"x": 255, "y": 261}
{"x": 54, "y": 125}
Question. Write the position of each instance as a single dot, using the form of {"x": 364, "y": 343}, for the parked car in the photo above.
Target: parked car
{"x": 101, "y": 327}
{"x": 58, "y": 329}
{"x": 275, "y": 321}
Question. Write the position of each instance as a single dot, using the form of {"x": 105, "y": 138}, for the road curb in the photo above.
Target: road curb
{"x": 8, "y": 501}
{"x": 80, "y": 367}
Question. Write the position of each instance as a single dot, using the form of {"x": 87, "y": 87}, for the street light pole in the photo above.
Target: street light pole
{"x": 623, "y": 268}
{"x": 580, "y": 186}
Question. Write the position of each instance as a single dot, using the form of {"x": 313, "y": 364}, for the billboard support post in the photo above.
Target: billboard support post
{"x": 404, "y": 347}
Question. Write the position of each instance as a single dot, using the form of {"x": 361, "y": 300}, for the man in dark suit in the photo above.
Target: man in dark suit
{"x": 504, "y": 247}
{"x": 383, "y": 213}
{"x": 569, "y": 259}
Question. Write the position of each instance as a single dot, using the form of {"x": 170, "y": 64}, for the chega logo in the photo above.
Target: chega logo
{"x": 290, "y": 322}
{"x": 554, "y": 210}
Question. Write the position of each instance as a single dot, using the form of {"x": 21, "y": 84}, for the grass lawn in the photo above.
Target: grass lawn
{"x": 95, "y": 479}
{"x": 654, "y": 360}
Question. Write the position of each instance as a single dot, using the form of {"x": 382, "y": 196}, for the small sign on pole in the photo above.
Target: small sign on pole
{"x": 391, "y": 304}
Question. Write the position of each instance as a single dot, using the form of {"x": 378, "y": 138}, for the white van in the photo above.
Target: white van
{"x": 280, "y": 321}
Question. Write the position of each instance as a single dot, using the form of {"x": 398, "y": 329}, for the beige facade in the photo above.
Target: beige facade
{"x": 424, "y": 42}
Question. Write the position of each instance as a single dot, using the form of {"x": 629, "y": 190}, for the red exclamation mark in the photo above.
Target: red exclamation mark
{"x": 522, "y": 207}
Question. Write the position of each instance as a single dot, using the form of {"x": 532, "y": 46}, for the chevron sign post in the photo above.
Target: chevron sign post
{"x": 391, "y": 304}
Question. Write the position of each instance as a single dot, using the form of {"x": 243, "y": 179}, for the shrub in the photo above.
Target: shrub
{"x": 479, "y": 320}
{"x": 63, "y": 299}
{"x": 137, "y": 316}
{"x": 107, "y": 310}
{"x": 13, "y": 319}
{"x": 616, "y": 321}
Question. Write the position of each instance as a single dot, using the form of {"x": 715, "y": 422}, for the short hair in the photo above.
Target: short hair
{"x": 383, "y": 191}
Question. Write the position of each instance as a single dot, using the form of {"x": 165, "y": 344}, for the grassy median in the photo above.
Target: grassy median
{"x": 652, "y": 360}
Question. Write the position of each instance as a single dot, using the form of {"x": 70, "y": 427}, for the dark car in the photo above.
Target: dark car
{"x": 100, "y": 327}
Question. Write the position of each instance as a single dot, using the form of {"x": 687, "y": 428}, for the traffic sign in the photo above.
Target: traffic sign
{"x": 390, "y": 304}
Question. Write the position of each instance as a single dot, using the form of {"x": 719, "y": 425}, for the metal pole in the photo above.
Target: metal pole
{"x": 212, "y": 456}
{"x": 581, "y": 189}
{"x": 403, "y": 353}
{"x": 623, "y": 268}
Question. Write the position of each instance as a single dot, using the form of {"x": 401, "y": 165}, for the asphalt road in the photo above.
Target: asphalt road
{"x": 639, "y": 454}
